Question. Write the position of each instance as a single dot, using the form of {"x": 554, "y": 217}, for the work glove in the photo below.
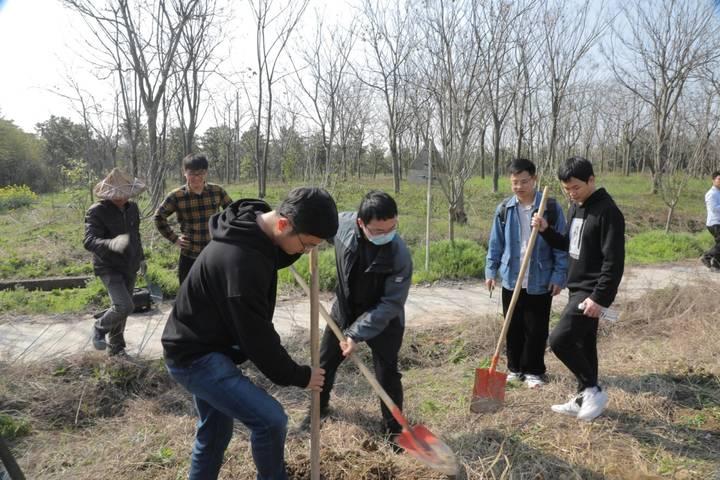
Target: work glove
{"x": 119, "y": 243}
{"x": 143, "y": 268}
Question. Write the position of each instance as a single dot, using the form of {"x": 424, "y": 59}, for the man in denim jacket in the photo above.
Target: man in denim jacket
{"x": 545, "y": 277}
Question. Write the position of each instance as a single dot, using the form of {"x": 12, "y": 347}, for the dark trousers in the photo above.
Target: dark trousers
{"x": 385, "y": 348}
{"x": 574, "y": 342}
{"x": 184, "y": 265}
{"x": 528, "y": 331}
{"x": 714, "y": 252}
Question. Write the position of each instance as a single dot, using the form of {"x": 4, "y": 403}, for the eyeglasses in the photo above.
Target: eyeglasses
{"x": 306, "y": 248}
{"x": 196, "y": 173}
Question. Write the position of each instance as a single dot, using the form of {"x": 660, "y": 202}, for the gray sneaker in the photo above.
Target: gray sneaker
{"x": 515, "y": 377}
{"x": 98, "y": 339}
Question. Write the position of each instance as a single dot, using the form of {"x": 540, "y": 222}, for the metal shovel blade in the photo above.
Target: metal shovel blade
{"x": 428, "y": 449}
{"x": 488, "y": 391}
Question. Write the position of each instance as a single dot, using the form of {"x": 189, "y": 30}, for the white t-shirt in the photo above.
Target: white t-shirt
{"x": 524, "y": 213}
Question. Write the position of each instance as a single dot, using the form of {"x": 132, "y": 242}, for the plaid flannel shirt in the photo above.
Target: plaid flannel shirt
{"x": 193, "y": 212}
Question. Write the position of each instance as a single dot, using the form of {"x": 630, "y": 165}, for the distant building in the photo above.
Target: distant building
{"x": 418, "y": 170}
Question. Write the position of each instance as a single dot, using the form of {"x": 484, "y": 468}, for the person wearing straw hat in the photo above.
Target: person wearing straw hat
{"x": 529, "y": 325}
{"x": 112, "y": 234}
{"x": 193, "y": 204}
{"x": 595, "y": 241}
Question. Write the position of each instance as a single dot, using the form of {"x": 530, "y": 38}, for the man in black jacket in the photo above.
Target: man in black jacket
{"x": 112, "y": 234}
{"x": 595, "y": 242}
{"x": 374, "y": 272}
{"x": 223, "y": 317}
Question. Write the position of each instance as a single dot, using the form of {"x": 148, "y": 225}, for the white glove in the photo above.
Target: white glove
{"x": 119, "y": 243}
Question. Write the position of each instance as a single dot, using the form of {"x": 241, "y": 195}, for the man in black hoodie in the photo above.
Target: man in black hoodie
{"x": 595, "y": 241}
{"x": 223, "y": 317}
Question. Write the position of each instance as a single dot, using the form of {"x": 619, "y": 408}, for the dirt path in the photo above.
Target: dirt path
{"x": 26, "y": 338}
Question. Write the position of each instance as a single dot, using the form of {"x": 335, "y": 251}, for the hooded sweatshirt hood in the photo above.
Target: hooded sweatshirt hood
{"x": 226, "y": 303}
{"x": 238, "y": 222}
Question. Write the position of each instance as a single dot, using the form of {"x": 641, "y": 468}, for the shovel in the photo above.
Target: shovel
{"x": 489, "y": 389}
{"x": 418, "y": 441}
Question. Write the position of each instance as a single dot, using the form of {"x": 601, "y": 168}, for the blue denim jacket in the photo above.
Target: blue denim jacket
{"x": 547, "y": 265}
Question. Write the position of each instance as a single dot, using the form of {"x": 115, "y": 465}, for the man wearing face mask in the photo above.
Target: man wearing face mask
{"x": 374, "y": 271}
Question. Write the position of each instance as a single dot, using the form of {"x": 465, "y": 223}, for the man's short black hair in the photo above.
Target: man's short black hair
{"x": 577, "y": 167}
{"x": 519, "y": 165}
{"x": 377, "y": 205}
{"x": 195, "y": 161}
{"x": 311, "y": 211}
{"x": 715, "y": 174}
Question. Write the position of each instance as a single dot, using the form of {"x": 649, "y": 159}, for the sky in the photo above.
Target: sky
{"x": 35, "y": 36}
{"x": 41, "y": 46}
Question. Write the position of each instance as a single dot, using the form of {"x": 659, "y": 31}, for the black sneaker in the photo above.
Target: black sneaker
{"x": 714, "y": 265}
{"x": 305, "y": 424}
{"x": 98, "y": 339}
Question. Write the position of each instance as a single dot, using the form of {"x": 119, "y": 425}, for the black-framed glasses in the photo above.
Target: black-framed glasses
{"x": 306, "y": 248}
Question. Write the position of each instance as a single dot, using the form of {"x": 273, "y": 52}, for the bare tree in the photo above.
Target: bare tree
{"x": 496, "y": 34}
{"x": 196, "y": 62}
{"x": 323, "y": 79}
{"x": 275, "y": 25}
{"x": 569, "y": 33}
{"x": 662, "y": 44}
{"x": 146, "y": 36}
{"x": 388, "y": 32}
{"x": 451, "y": 70}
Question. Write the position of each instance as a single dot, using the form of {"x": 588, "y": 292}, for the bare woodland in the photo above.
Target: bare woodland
{"x": 634, "y": 86}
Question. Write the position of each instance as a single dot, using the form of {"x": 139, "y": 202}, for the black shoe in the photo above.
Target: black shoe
{"x": 392, "y": 440}
{"x": 116, "y": 351}
{"x": 98, "y": 339}
{"x": 305, "y": 424}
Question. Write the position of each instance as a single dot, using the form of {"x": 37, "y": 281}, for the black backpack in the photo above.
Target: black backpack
{"x": 550, "y": 211}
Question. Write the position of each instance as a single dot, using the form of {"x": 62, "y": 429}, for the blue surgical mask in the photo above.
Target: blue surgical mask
{"x": 383, "y": 239}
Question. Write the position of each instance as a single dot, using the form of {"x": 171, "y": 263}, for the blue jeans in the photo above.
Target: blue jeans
{"x": 222, "y": 393}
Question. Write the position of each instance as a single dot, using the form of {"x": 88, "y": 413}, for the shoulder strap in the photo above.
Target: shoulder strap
{"x": 550, "y": 211}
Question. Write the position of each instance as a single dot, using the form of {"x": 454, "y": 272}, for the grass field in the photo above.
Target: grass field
{"x": 46, "y": 239}
{"x": 89, "y": 417}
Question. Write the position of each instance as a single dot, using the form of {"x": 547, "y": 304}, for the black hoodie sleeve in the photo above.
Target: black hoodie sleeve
{"x": 558, "y": 240}
{"x": 612, "y": 245}
{"x": 250, "y": 315}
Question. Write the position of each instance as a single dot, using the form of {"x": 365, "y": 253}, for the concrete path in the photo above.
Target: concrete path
{"x": 28, "y": 338}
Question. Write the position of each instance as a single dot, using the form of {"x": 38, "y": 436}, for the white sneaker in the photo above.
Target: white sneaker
{"x": 593, "y": 404}
{"x": 534, "y": 381}
{"x": 571, "y": 408}
{"x": 515, "y": 377}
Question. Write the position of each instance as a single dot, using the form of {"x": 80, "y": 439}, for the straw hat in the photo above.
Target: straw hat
{"x": 118, "y": 185}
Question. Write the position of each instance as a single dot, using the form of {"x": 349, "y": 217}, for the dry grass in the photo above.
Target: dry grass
{"x": 97, "y": 418}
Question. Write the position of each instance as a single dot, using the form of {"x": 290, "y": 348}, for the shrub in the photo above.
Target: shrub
{"x": 464, "y": 259}
{"x": 657, "y": 246}
{"x": 15, "y": 196}
{"x": 12, "y": 427}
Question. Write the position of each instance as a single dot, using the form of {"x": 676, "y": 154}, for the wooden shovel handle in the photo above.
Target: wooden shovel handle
{"x": 314, "y": 295}
{"x": 518, "y": 283}
{"x": 361, "y": 366}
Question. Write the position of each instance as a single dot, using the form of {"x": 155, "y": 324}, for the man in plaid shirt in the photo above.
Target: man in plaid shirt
{"x": 193, "y": 204}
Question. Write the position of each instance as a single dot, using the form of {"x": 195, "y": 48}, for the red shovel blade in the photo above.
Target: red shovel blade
{"x": 421, "y": 444}
{"x": 488, "y": 391}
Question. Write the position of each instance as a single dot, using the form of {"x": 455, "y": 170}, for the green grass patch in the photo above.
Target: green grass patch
{"x": 24, "y": 301}
{"x": 13, "y": 427}
{"x": 657, "y": 246}
{"x": 453, "y": 260}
